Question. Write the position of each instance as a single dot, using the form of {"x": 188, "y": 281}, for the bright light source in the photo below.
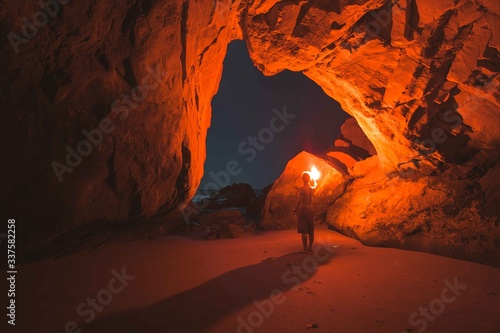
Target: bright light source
{"x": 314, "y": 174}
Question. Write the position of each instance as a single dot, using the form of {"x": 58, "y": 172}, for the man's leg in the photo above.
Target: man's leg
{"x": 311, "y": 240}
{"x": 304, "y": 241}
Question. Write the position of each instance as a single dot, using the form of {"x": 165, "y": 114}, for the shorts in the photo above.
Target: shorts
{"x": 306, "y": 220}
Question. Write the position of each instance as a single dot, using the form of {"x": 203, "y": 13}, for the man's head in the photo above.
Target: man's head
{"x": 306, "y": 177}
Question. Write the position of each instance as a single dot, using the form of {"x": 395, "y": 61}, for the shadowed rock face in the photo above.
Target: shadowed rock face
{"x": 420, "y": 79}
{"x": 353, "y": 137}
{"x": 150, "y": 67}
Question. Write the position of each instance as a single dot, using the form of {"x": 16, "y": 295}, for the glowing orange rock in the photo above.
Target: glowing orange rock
{"x": 282, "y": 198}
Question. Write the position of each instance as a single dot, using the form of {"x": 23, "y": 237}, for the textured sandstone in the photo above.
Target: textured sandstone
{"x": 447, "y": 213}
{"x": 397, "y": 70}
{"x": 66, "y": 79}
{"x": 353, "y": 135}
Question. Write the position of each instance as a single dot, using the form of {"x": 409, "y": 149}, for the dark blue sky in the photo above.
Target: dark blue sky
{"x": 244, "y": 106}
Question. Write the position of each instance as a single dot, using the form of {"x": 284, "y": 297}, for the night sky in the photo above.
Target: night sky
{"x": 244, "y": 106}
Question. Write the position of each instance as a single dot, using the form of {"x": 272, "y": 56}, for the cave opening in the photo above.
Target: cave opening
{"x": 260, "y": 122}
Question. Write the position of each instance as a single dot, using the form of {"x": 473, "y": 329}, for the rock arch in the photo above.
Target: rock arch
{"x": 406, "y": 78}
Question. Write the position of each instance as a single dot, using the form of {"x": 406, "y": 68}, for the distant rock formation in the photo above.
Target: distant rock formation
{"x": 223, "y": 223}
{"x": 255, "y": 206}
{"x": 236, "y": 195}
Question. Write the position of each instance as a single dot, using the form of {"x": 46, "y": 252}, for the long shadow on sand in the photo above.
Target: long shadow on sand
{"x": 197, "y": 309}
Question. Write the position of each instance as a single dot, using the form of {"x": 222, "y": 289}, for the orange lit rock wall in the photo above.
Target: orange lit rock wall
{"x": 150, "y": 67}
{"x": 420, "y": 79}
{"x": 417, "y": 79}
{"x": 448, "y": 213}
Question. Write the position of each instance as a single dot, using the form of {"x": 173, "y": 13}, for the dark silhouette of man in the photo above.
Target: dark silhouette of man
{"x": 305, "y": 211}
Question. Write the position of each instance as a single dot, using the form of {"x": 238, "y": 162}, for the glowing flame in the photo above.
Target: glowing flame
{"x": 315, "y": 174}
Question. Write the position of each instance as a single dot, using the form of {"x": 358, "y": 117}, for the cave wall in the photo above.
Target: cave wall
{"x": 421, "y": 81}
{"x": 143, "y": 73}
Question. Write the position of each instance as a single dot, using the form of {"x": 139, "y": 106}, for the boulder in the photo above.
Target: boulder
{"x": 255, "y": 205}
{"x": 224, "y": 223}
{"x": 104, "y": 114}
{"x": 444, "y": 213}
{"x": 282, "y": 198}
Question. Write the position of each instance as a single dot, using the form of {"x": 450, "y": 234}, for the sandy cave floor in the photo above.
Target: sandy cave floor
{"x": 187, "y": 285}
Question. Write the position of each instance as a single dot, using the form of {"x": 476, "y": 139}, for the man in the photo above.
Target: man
{"x": 305, "y": 212}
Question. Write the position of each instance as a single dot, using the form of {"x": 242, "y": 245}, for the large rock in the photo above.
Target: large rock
{"x": 447, "y": 212}
{"x": 421, "y": 81}
{"x": 255, "y": 206}
{"x": 150, "y": 68}
{"x": 224, "y": 223}
{"x": 282, "y": 198}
